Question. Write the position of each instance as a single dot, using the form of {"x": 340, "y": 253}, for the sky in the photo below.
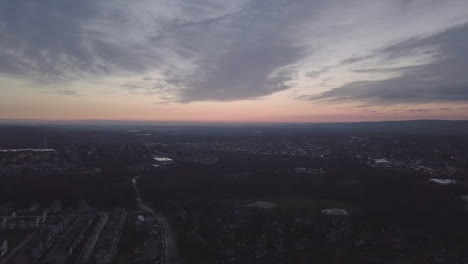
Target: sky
{"x": 234, "y": 60}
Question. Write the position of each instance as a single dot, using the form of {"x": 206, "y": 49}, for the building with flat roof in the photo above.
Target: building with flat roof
{"x": 162, "y": 161}
{"x": 335, "y": 211}
{"x": 28, "y": 155}
{"x": 443, "y": 181}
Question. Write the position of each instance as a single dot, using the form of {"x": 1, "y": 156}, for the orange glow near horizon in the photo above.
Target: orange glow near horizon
{"x": 240, "y": 61}
{"x": 278, "y": 108}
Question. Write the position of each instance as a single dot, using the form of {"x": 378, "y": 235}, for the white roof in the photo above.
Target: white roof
{"x": 27, "y": 149}
{"x": 162, "y": 159}
{"x": 443, "y": 181}
{"x": 382, "y": 160}
{"x": 335, "y": 211}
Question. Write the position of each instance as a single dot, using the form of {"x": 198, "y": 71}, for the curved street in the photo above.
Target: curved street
{"x": 169, "y": 253}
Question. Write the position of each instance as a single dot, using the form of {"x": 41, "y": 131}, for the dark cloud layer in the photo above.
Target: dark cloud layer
{"x": 442, "y": 80}
{"x": 198, "y": 50}
{"x": 244, "y": 73}
{"x": 67, "y": 93}
{"x": 44, "y": 38}
{"x": 51, "y": 41}
{"x": 254, "y": 59}
{"x": 48, "y": 40}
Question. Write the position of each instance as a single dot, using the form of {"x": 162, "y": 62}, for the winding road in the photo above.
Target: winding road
{"x": 169, "y": 253}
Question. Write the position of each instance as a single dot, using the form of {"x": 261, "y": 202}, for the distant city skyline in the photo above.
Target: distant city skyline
{"x": 233, "y": 61}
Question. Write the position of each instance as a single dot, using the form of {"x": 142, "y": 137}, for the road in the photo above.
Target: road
{"x": 18, "y": 248}
{"x": 169, "y": 254}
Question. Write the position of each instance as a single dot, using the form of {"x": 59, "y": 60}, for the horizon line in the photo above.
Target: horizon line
{"x": 8, "y": 121}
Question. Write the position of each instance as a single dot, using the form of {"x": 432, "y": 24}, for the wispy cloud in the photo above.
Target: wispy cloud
{"x": 199, "y": 50}
{"x": 440, "y": 80}
{"x": 67, "y": 93}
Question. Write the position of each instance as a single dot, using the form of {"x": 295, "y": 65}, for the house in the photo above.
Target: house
{"x": 106, "y": 246}
{"x": 43, "y": 240}
{"x": 69, "y": 240}
{"x": 22, "y": 222}
{"x": 3, "y": 223}
{"x": 4, "y": 248}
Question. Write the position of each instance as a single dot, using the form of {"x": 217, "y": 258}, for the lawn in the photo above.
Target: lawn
{"x": 296, "y": 202}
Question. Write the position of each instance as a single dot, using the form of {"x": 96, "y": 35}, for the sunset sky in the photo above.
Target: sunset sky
{"x": 234, "y": 60}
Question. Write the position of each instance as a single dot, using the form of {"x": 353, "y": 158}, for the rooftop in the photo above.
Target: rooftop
{"x": 335, "y": 211}
{"x": 27, "y": 150}
{"x": 162, "y": 159}
{"x": 443, "y": 181}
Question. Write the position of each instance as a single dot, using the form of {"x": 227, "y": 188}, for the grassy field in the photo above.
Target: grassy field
{"x": 298, "y": 202}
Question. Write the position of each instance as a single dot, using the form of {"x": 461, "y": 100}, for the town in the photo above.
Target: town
{"x": 255, "y": 197}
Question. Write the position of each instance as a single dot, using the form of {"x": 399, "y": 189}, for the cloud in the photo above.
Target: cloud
{"x": 245, "y": 73}
{"x": 45, "y": 40}
{"x": 62, "y": 92}
{"x": 208, "y": 50}
{"x": 424, "y": 110}
{"x": 211, "y": 50}
{"x": 65, "y": 40}
{"x": 246, "y": 54}
{"x": 316, "y": 74}
{"x": 440, "y": 80}
{"x": 67, "y": 93}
